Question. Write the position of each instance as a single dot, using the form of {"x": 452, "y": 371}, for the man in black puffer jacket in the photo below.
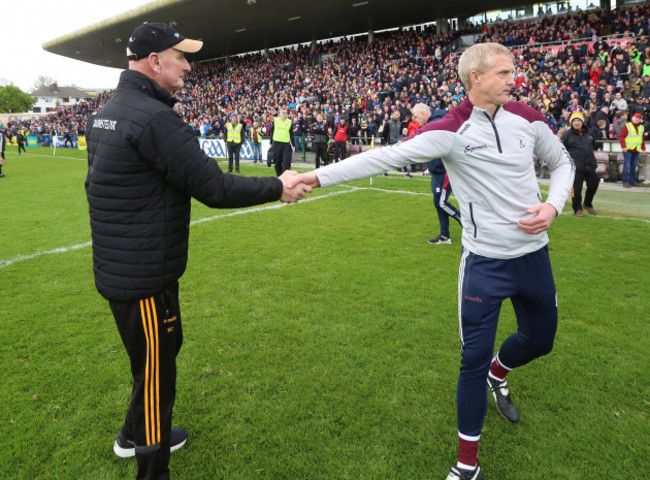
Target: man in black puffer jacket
{"x": 580, "y": 145}
{"x": 144, "y": 166}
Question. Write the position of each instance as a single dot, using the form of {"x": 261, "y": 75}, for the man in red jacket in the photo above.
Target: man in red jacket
{"x": 341, "y": 139}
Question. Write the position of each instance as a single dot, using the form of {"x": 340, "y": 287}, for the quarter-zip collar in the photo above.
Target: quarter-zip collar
{"x": 490, "y": 118}
{"x": 139, "y": 81}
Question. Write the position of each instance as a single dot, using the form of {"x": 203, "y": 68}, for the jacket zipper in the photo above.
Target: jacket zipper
{"x": 471, "y": 216}
{"x": 496, "y": 134}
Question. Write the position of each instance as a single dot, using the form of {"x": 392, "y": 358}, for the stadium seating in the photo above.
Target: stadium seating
{"x": 620, "y": 161}
{"x": 602, "y": 164}
{"x": 405, "y": 67}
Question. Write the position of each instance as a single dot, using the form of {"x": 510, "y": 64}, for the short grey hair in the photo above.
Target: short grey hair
{"x": 479, "y": 57}
{"x": 422, "y": 107}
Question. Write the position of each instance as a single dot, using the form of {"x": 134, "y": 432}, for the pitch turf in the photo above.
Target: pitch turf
{"x": 320, "y": 341}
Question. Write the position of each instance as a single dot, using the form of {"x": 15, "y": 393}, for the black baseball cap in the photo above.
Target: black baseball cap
{"x": 156, "y": 37}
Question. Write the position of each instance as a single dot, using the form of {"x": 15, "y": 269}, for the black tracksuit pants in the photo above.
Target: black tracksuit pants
{"x": 152, "y": 334}
{"x": 321, "y": 154}
{"x": 283, "y": 152}
{"x": 233, "y": 154}
{"x": 591, "y": 177}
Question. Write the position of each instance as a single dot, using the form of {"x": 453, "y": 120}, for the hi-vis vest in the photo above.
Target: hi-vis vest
{"x": 281, "y": 129}
{"x": 233, "y": 132}
{"x": 634, "y": 138}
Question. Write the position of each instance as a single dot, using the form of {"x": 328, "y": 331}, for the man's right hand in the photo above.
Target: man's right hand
{"x": 310, "y": 179}
{"x": 293, "y": 190}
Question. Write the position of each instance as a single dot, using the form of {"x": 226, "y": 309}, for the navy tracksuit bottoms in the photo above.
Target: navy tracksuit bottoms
{"x": 483, "y": 284}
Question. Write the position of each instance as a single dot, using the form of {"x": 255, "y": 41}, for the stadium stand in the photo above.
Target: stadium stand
{"x": 575, "y": 61}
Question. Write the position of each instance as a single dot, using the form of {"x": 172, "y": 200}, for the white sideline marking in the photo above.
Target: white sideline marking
{"x": 260, "y": 209}
{"x": 21, "y": 258}
{"x": 79, "y": 246}
{"x": 350, "y": 189}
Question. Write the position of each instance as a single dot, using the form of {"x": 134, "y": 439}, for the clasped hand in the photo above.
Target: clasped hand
{"x": 292, "y": 188}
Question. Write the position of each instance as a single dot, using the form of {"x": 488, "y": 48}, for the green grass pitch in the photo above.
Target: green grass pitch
{"x": 321, "y": 341}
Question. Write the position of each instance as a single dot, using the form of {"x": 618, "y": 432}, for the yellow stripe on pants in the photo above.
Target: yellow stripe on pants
{"x": 151, "y": 378}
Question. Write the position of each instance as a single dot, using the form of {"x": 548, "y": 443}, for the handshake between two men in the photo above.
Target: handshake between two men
{"x": 296, "y": 186}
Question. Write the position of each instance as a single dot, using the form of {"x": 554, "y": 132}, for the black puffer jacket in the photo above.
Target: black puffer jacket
{"x": 144, "y": 165}
{"x": 581, "y": 149}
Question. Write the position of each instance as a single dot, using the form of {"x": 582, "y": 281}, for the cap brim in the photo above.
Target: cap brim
{"x": 189, "y": 46}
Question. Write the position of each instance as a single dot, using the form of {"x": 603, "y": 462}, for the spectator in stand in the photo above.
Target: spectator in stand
{"x": 548, "y": 117}
{"x": 413, "y": 124}
{"x": 580, "y": 145}
{"x": 582, "y": 75}
{"x": 594, "y": 72}
{"x": 618, "y": 104}
{"x": 645, "y": 87}
{"x": 593, "y": 99}
{"x": 621, "y": 120}
{"x": 632, "y": 143}
{"x": 600, "y": 132}
{"x": 639, "y": 105}
{"x": 645, "y": 68}
{"x": 601, "y": 114}
{"x": 563, "y": 122}
{"x": 622, "y": 65}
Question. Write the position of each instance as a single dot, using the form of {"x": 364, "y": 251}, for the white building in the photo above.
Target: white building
{"x": 48, "y": 98}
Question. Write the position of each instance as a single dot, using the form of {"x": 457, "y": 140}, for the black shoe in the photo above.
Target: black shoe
{"x": 126, "y": 448}
{"x": 461, "y": 474}
{"x": 2, "y": 175}
{"x": 505, "y": 405}
{"x": 385, "y": 174}
{"x": 238, "y": 172}
{"x": 408, "y": 175}
{"x": 440, "y": 240}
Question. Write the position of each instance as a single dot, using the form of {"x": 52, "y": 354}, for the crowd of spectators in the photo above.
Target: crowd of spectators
{"x": 366, "y": 82}
{"x": 68, "y": 119}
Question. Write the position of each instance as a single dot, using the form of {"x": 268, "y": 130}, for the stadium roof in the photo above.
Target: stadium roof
{"x": 229, "y": 27}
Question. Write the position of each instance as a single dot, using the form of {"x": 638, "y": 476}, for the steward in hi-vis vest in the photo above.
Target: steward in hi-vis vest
{"x": 282, "y": 142}
{"x": 632, "y": 143}
{"x": 233, "y": 141}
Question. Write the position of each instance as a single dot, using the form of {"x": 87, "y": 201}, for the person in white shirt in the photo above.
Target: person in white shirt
{"x": 487, "y": 144}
